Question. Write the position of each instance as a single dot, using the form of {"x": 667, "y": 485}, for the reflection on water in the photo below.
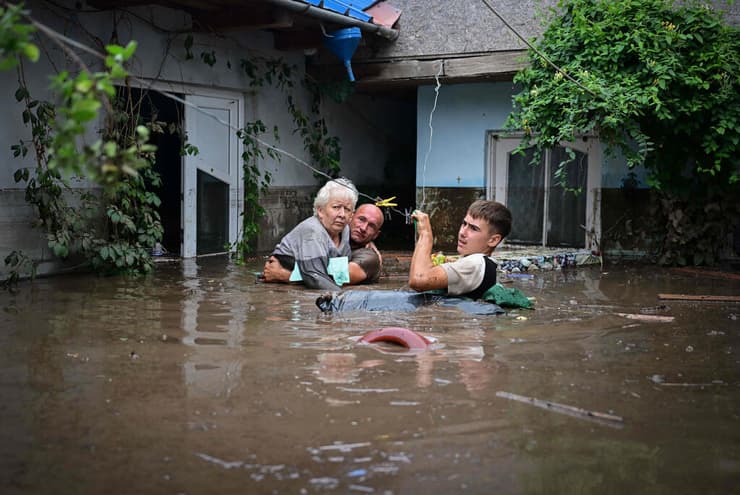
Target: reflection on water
{"x": 199, "y": 380}
{"x": 209, "y": 322}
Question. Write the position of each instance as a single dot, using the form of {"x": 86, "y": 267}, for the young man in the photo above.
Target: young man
{"x": 485, "y": 225}
{"x": 365, "y": 261}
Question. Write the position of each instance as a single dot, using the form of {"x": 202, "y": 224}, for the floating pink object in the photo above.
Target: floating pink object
{"x": 397, "y": 335}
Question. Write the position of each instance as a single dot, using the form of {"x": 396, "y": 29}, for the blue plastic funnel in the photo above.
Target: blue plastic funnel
{"x": 343, "y": 44}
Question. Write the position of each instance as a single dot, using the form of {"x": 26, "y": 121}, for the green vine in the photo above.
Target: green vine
{"x": 658, "y": 81}
{"x": 15, "y": 37}
{"x": 323, "y": 148}
{"x": 120, "y": 241}
{"x": 113, "y": 228}
{"x": 255, "y": 183}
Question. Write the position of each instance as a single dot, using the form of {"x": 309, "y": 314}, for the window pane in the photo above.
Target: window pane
{"x": 566, "y": 208}
{"x": 525, "y": 193}
{"x": 213, "y": 214}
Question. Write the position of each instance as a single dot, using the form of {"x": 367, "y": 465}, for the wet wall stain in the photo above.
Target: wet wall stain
{"x": 446, "y": 207}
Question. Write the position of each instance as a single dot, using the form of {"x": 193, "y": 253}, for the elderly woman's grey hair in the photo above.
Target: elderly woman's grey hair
{"x": 341, "y": 188}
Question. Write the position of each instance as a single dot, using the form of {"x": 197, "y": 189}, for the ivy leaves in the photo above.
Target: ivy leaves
{"x": 114, "y": 228}
{"x": 665, "y": 76}
{"x": 667, "y": 85}
{"x": 81, "y": 99}
{"x": 15, "y": 37}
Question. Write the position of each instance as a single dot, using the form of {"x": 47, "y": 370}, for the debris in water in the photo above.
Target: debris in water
{"x": 368, "y": 390}
{"x": 361, "y": 488}
{"x": 657, "y": 379}
{"x": 699, "y": 297}
{"x": 344, "y": 447}
{"x": 650, "y": 318}
{"x": 326, "y": 482}
{"x": 689, "y": 384}
{"x": 222, "y": 463}
{"x": 561, "y": 408}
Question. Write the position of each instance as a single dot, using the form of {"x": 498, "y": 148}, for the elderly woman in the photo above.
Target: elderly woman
{"x": 320, "y": 245}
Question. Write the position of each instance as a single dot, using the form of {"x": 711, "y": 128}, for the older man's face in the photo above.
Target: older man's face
{"x": 365, "y": 224}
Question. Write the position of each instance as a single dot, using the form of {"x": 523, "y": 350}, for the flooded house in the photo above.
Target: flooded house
{"x": 201, "y": 379}
{"x": 411, "y": 96}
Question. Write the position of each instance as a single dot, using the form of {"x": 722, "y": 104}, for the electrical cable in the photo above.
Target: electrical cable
{"x": 538, "y": 52}
{"x": 431, "y": 134}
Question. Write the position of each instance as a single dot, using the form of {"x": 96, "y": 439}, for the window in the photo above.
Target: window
{"x": 544, "y": 212}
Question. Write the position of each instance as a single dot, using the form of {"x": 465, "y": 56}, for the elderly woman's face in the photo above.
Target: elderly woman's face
{"x": 335, "y": 215}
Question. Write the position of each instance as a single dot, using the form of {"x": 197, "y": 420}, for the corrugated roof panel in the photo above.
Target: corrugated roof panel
{"x": 358, "y": 14}
{"x": 360, "y": 4}
{"x": 336, "y": 6}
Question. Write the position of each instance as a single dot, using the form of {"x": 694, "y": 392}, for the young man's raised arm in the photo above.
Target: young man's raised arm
{"x": 423, "y": 275}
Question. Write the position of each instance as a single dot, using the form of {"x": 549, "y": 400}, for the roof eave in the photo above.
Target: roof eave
{"x": 329, "y": 16}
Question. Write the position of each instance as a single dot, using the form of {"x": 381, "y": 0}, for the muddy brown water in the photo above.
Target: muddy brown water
{"x": 197, "y": 380}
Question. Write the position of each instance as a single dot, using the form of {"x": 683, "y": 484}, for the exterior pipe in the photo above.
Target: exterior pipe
{"x": 329, "y": 16}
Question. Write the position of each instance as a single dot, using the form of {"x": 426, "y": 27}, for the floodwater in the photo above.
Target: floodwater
{"x": 197, "y": 380}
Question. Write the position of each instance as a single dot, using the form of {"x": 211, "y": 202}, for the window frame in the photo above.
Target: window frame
{"x": 499, "y": 145}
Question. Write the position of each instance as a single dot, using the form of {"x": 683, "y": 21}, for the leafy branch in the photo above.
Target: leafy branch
{"x": 666, "y": 76}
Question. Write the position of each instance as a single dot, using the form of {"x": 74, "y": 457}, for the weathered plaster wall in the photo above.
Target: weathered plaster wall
{"x": 463, "y": 114}
{"x": 447, "y": 207}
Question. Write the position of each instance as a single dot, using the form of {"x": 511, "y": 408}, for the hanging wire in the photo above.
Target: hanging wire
{"x": 431, "y": 135}
{"x": 538, "y": 52}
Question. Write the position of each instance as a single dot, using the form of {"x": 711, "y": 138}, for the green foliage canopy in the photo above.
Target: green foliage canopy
{"x": 659, "y": 81}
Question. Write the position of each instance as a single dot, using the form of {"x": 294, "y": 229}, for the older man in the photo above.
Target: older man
{"x": 365, "y": 262}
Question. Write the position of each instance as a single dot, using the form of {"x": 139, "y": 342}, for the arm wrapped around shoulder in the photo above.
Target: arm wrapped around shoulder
{"x": 369, "y": 261}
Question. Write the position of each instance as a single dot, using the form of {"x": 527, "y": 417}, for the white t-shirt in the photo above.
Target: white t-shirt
{"x": 466, "y": 274}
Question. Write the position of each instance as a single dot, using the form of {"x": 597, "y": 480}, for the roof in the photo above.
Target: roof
{"x": 457, "y": 28}
{"x": 298, "y": 22}
{"x": 371, "y": 11}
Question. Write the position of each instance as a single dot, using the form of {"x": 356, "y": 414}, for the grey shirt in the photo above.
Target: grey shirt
{"x": 310, "y": 245}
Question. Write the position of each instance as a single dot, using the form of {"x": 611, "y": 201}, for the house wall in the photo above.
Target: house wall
{"x": 362, "y": 127}
{"x": 455, "y": 171}
{"x": 463, "y": 114}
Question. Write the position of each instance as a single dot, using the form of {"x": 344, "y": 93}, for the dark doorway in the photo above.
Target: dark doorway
{"x": 168, "y": 116}
{"x": 212, "y": 215}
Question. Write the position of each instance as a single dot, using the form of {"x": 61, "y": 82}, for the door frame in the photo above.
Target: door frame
{"x": 499, "y": 144}
{"x": 234, "y": 102}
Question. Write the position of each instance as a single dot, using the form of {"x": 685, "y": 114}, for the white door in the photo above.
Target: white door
{"x": 211, "y": 202}
{"x": 544, "y": 212}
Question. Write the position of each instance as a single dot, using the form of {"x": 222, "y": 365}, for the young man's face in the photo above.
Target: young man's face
{"x": 475, "y": 236}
